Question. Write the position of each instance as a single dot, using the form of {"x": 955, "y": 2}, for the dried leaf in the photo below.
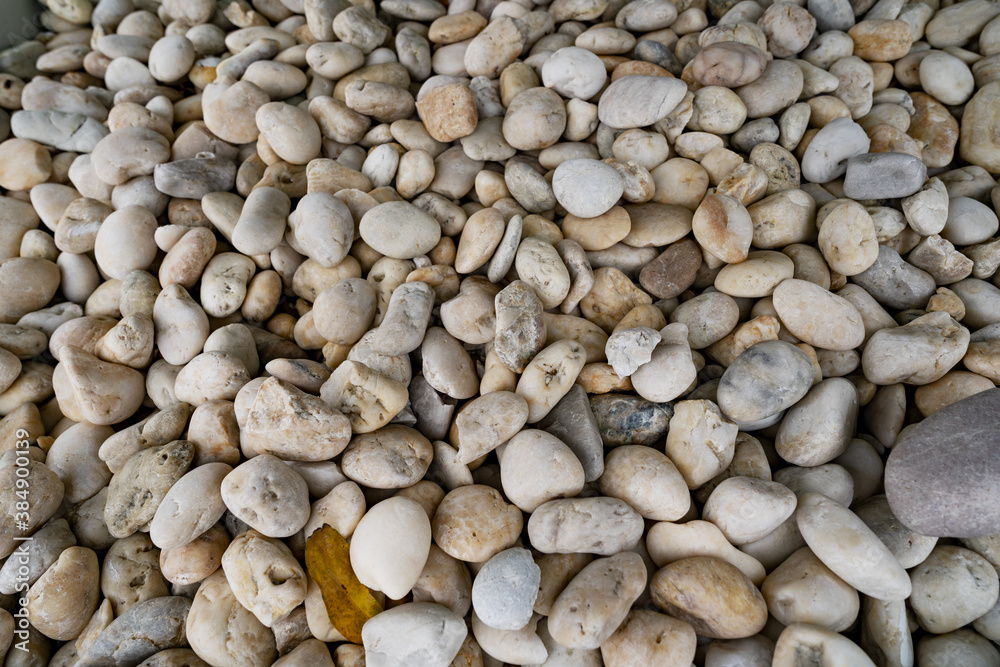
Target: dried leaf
{"x": 348, "y": 602}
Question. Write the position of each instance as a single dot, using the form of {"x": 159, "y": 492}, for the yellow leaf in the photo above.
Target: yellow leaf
{"x": 348, "y": 602}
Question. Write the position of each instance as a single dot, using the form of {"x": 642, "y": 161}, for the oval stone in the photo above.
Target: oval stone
{"x": 943, "y": 474}
{"x": 766, "y": 379}
{"x": 399, "y": 229}
{"x": 817, "y": 316}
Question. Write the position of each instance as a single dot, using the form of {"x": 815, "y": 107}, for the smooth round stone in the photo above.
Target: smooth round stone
{"x": 712, "y": 595}
{"x": 757, "y": 277}
{"x": 505, "y": 589}
{"x": 639, "y": 101}
{"x": 818, "y": 428}
{"x": 946, "y": 78}
{"x": 648, "y": 481}
{"x": 952, "y": 587}
{"x": 673, "y": 271}
{"x": 969, "y": 222}
{"x": 962, "y": 647}
{"x": 981, "y": 300}
{"x": 416, "y": 633}
{"x": 817, "y": 316}
{"x": 587, "y": 188}
{"x": 883, "y": 176}
{"x": 942, "y": 477}
{"x": 909, "y": 548}
{"x": 746, "y": 509}
{"x": 574, "y": 72}
{"x": 630, "y": 420}
{"x": 826, "y": 156}
{"x": 895, "y": 283}
{"x": 848, "y": 547}
{"x": 399, "y": 229}
{"x": 767, "y": 378}
{"x": 803, "y": 590}
{"x": 390, "y": 545}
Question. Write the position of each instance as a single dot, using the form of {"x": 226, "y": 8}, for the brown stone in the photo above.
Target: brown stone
{"x": 934, "y": 125}
{"x": 673, "y": 271}
{"x": 713, "y": 596}
{"x": 881, "y": 39}
{"x": 449, "y": 112}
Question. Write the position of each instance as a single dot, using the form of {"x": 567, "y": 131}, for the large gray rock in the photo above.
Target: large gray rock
{"x": 883, "y": 176}
{"x": 943, "y": 474}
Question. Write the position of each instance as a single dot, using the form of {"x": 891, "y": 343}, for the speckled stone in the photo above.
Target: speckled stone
{"x": 505, "y": 589}
{"x": 766, "y": 379}
{"x": 942, "y": 477}
{"x": 895, "y": 283}
{"x": 883, "y": 176}
{"x": 673, "y": 271}
{"x": 630, "y": 420}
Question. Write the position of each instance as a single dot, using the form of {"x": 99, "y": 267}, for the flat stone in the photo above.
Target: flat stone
{"x": 673, "y": 271}
{"x": 942, "y": 477}
{"x": 145, "y": 629}
{"x": 59, "y": 129}
{"x": 520, "y": 327}
{"x": 895, "y": 283}
{"x": 883, "y": 176}
{"x": 505, "y": 589}
{"x": 630, "y": 420}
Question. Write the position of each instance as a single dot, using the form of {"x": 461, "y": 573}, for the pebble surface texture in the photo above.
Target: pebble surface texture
{"x": 602, "y": 333}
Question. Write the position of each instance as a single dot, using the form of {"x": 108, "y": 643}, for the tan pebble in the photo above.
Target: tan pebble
{"x": 721, "y": 603}
{"x": 473, "y": 523}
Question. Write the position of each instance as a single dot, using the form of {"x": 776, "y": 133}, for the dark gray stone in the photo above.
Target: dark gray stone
{"x": 142, "y": 631}
{"x": 883, "y": 176}
{"x": 895, "y": 283}
{"x": 943, "y": 474}
{"x": 659, "y": 54}
{"x": 831, "y": 14}
{"x": 573, "y": 422}
{"x": 630, "y": 420}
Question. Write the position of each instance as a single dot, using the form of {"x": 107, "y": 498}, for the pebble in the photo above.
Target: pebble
{"x": 574, "y": 72}
{"x": 596, "y": 601}
{"x": 817, "y": 316}
{"x": 895, "y": 283}
{"x": 603, "y": 526}
{"x": 136, "y": 491}
{"x": 952, "y": 587}
{"x": 390, "y": 545}
{"x": 951, "y": 510}
{"x": 400, "y": 230}
{"x": 848, "y": 547}
{"x": 752, "y": 389}
{"x": 505, "y": 589}
{"x": 602, "y": 190}
{"x": 920, "y": 352}
{"x": 639, "y": 100}
{"x": 898, "y": 175}
{"x": 831, "y": 148}
{"x": 144, "y": 630}
{"x": 282, "y": 512}
{"x": 413, "y": 633}
{"x": 714, "y": 597}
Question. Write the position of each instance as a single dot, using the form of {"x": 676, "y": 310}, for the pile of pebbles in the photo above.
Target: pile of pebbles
{"x": 662, "y": 332}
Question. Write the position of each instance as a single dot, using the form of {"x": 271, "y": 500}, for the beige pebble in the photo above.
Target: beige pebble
{"x": 191, "y": 506}
{"x": 549, "y": 376}
{"x": 279, "y": 514}
{"x": 264, "y": 576}
{"x": 368, "y": 398}
{"x": 222, "y": 631}
{"x": 536, "y": 466}
{"x": 390, "y": 546}
{"x": 474, "y": 523}
{"x": 598, "y": 525}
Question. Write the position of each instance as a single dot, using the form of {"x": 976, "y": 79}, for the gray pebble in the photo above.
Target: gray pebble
{"x": 503, "y": 256}
{"x": 982, "y": 302}
{"x": 573, "y": 422}
{"x": 64, "y": 131}
{"x": 520, "y": 327}
{"x": 883, "y": 176}
{"x": 42, "y": 549}
{"x": 762, "y": 130}
{"x": 630, "y": 348}
{"x": 767, "y": 378}
{"x": 832, "y": 14}
{"x": 657, "y": 53}
{"x": 529, "y": 188}
{"x": 504, "y": 592}
{"x": 195, "y": 178}
{"x": 136, "y": 490}
{"x": 990, "y": 332}
{"x": 142, "y": 631}
{"x": 895, "y": 283}
{"x": 638, "y": 101}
